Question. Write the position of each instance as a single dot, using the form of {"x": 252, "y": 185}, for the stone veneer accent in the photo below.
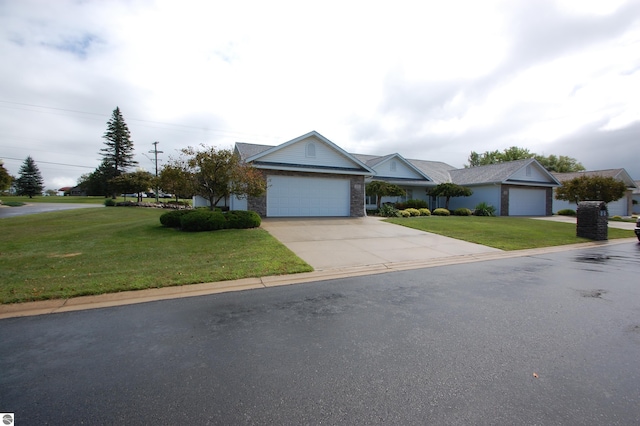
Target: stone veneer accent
{"x": 357, "y": 188}
{"x": 592, "y": 220}
{"x": 504, "y": 199}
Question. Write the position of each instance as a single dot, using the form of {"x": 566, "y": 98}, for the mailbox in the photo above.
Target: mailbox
{"x": 593, "y": 220}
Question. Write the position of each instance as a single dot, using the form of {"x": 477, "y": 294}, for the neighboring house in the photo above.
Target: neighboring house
{"x": 622, "y": 207}
{"x": 635, "y": 198}
{"x": 515, "y": 188}
{"x": 64, "y": 190}
{"x": 68, "y": 190}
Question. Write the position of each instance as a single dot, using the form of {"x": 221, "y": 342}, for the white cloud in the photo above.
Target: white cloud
{"x": 431, "y": 80}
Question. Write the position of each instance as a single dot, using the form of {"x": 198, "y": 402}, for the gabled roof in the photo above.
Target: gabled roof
{"x": 375, "y": 161}
{"x": 438, "y": 171}
{"x": 502, "y": 173}
{"x": 620, "y": 174}
{"x": 262, "y": 156}
{"x": 246, "y": 150}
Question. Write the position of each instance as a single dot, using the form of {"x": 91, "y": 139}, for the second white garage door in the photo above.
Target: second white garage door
{"x": 527, "y": 202}
{"x": 291, "y": 196}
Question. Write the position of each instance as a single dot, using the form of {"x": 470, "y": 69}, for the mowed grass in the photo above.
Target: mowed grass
{"x": 93, "y": 251}
{"x": 505, "y": 233}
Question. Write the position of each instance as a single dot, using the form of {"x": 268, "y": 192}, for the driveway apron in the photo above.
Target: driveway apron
{"x": 331, "y": 243}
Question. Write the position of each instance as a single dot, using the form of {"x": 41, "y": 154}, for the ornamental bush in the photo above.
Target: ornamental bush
{"x": 567, "y": 212}
{"x": 202, "y": 220}
{"x": 242, "y": 219}
{"x": 171, "y": 219}
{"x": 425, "y": 212}
{"x": 441, "y": 212}
{"x": 462, "y": 211}
{"x": 413, "y": 212}
{"x": 110, "y": 202}
{"x": 404, "y": 213}
{"x": 484, "y": 209}
{"x": 388, "y": 210}
{"x": 412, "y": 204}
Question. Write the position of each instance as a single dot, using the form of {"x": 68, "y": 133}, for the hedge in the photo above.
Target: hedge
{"x": 206, "y": 220}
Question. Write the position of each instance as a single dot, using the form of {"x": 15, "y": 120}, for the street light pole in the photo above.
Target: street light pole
{"x": 156, "y": 152}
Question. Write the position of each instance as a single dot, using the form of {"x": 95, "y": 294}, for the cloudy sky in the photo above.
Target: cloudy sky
{"x": 431, "y": 80}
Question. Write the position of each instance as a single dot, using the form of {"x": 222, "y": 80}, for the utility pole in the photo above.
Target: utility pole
{"x": 156, "y": 152}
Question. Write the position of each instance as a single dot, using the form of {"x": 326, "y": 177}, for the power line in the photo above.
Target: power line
{"x": 48, "y": 162}
{"x": 184, "y": 126}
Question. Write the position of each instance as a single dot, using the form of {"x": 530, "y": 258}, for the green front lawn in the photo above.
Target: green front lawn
{"x": 505, "y": 233}
{"x": 93, "y": 251}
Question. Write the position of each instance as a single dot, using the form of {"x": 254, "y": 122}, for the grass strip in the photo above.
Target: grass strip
{"x": 94, "y": 251}
{"x": 505, "y": 233}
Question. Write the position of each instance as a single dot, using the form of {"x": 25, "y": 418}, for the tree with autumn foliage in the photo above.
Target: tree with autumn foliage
{"x": 218, "y": 174}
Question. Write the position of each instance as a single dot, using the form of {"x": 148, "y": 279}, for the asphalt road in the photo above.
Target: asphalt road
{"x": 548, "y": 339}
{"x": 42, "y": 208}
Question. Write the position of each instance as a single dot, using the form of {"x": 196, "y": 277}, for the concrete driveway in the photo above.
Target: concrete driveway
{"x": 331, "y": 243}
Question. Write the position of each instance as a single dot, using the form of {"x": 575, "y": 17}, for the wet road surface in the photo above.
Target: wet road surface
{"x": 547, "y": 339}
{"x": 41, "y": 208}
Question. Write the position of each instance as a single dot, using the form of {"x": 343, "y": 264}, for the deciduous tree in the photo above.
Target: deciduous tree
{"x": 591, "y": 188}
{"x": 560, "y": 164}
{"x": 5, "y": 178}
{"x": 30, "y": 181}
{"x": 553, "y": 163}
{"x": 135, "y": 182}
{"x": 218, "y": 174}
{"x": 379, "y": 189}
{"x": 449, "y": 190}
{"x": 176, "y": 179}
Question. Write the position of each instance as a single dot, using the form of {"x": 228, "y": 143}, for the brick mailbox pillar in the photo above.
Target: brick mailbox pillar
{"x": 593, "y": 220}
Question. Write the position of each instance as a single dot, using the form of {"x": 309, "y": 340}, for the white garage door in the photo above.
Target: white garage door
{"x": 527, "y": 202}
{"x": 618, "y": 208}
{"x": 290, "y": 196}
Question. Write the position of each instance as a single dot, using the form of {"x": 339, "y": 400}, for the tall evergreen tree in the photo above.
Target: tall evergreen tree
{"x": 118, "y": 152}
{"x": 30, "y": 182}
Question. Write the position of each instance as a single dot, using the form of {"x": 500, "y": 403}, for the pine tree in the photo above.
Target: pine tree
{"x": 119, "y": 146}
{"x": 30, "y": 181}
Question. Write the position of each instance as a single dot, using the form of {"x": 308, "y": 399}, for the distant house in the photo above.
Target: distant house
{"x": 622, "y": 207}
{"x": 312, "y": 176}
{"x": 63, "y": 191}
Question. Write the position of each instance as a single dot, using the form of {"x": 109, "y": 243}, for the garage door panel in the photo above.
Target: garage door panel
{"x": 293, "y": 196}
{"x": 527, "y": 202}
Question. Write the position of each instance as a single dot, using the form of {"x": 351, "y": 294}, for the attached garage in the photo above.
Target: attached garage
{"x": 527, "y": 202}
{"x": 618, "y": 208}
{"x": 294, "y": 196}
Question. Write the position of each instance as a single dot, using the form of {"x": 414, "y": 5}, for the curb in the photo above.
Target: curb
{"x": 194, "y": 290}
